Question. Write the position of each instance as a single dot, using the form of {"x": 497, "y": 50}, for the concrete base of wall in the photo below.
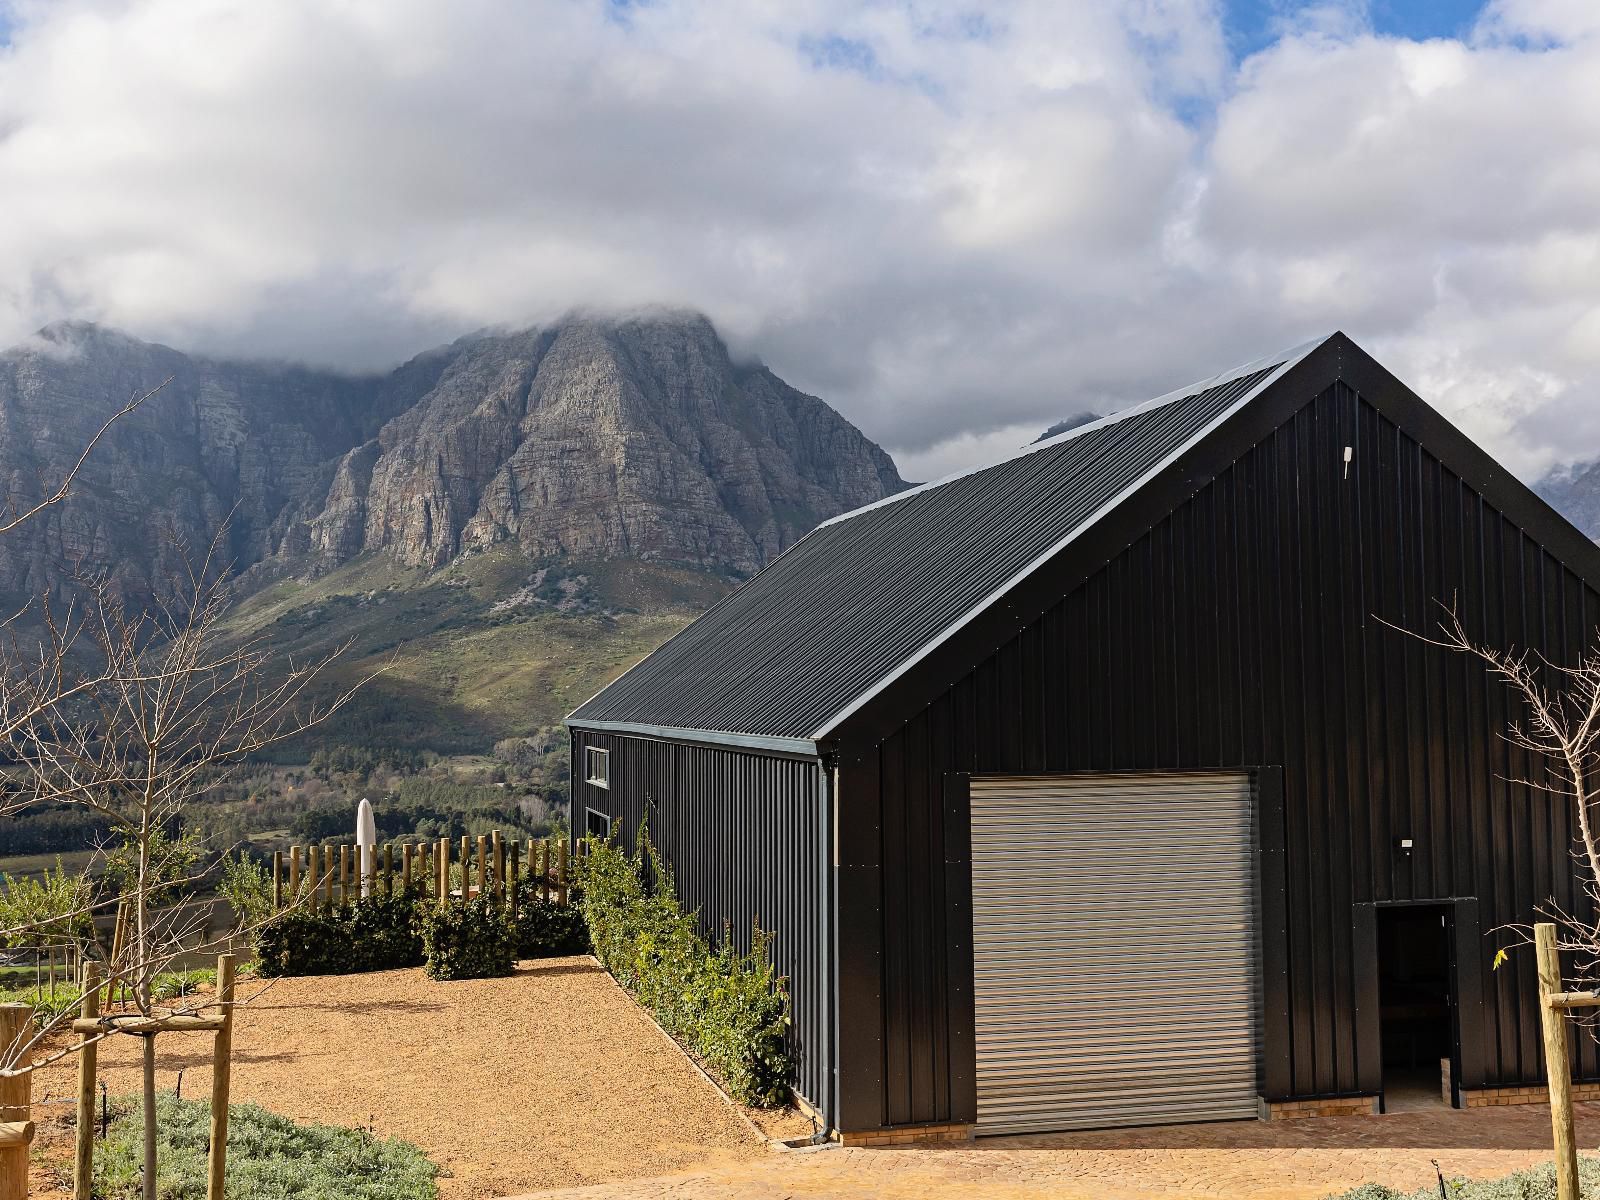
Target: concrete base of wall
{"x": 1296, "y": 1110}
{"x": 908, "y": 1135}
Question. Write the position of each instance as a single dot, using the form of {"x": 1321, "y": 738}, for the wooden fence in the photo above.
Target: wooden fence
{"x": 323, "y": 876}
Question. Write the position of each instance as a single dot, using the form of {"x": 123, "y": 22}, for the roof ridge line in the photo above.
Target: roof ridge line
{"x": 1285, "y": 357}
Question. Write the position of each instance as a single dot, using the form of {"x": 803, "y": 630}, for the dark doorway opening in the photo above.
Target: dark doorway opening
{"x": 1416, "y": 1003}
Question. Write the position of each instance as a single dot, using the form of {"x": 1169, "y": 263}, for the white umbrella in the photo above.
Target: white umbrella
{"x": 366, "y": 845}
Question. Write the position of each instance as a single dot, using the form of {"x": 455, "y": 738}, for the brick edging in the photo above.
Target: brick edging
{"x": 1337, "y": 1106}
{"x": 908, "y": 1135}
{"x": 1496, "y": 1097}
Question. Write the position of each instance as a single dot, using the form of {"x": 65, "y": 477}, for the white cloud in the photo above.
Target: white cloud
{"x": 957, "y": 222}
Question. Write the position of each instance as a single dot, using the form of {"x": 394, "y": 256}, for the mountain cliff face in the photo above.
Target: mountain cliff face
{"x": 591, "y": 440}
{"x": 594, "y": 439}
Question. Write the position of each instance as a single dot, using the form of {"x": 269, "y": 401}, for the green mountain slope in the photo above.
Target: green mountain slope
{"x": 492, "y": 646}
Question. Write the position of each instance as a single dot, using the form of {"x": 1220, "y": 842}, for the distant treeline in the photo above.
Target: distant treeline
{"x": 47, "y": 830}
{"x": 428, "y": 808}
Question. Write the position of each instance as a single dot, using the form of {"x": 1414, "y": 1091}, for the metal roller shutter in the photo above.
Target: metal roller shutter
{"x": 1114, "y": 950}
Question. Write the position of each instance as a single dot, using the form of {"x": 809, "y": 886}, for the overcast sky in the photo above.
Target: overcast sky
{"x": 955, "y": 222}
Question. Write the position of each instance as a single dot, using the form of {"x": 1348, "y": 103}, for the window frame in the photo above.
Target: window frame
{"x": 589, "y": 815}
{"x": 590, "y": 755}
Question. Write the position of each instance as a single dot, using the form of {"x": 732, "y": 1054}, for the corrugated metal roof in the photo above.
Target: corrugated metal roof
{"x": 864, "y": 596}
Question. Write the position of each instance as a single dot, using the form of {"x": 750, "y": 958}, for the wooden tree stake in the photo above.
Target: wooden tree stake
{"x": 221, "y": 1079}
{"x": 16, "y": 1105}
{"x": 83, "y": 1161}
{"x": 1557, "y": 1061}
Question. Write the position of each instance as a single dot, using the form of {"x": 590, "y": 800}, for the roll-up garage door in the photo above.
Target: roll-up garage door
{"x": 1114, "y": 950}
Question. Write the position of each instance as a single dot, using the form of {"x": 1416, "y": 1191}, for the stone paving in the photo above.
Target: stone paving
{"x": 1294, "y": 1160}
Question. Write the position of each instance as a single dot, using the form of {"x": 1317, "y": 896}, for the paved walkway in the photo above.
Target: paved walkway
{"x": 1300, "y": 1160}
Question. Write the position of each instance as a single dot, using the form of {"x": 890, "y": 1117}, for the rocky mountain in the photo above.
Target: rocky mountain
{"x": 1576, "y": 493}
{"x": 591, "y": 439}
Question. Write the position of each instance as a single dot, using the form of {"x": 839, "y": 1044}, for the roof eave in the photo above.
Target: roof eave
{"x": 798, "y": 747}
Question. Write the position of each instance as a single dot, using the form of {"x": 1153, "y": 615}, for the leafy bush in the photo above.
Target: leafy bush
{"x": 545, "y": 929}
{"x": 468, "y": 940}
{"x": 730, "y": 1008}
{"x": 46, "y": 1007}
{"x": 269, "y": 1157}
{"x": 49, "y": 909}
{"x": 379, "y": 933}
{"x": 169, "y": 985}
{"x": 247, "y": 887}
{"x": 1537, "y": 1183}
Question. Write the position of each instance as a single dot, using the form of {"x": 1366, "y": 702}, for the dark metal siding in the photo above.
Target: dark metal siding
{"x": 744, "y": 834}
{"x": 1244, "y": 630}
{"x": 856, "y": 598}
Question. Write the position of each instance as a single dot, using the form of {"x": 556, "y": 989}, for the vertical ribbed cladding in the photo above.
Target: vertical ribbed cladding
{"x": 1252, "y": 628}
{"x": 744, "y": 833}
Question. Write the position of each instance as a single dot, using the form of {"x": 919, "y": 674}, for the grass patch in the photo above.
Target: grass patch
{"x": 1536, "y": 1183}
{"x": 269, "y": 1157}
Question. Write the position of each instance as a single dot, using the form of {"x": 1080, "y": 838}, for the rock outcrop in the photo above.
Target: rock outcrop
{"x": 592, "y": 439}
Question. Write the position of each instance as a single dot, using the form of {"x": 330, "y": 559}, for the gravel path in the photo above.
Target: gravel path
{"x": 1245, "y": 1160}
{"x": 551, "y": 1078}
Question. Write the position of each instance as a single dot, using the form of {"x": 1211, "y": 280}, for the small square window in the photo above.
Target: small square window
{"x": 598, "y": 824}
{"x": 597, "y": 766}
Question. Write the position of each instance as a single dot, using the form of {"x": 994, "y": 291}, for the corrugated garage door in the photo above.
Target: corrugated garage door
{"x": 1114, "y": 950}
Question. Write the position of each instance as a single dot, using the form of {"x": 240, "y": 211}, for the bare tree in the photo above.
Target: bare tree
{"x": 169, "y": 710}
{"x": 1560, "y": 723}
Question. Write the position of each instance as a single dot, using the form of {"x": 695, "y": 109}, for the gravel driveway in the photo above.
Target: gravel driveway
{"x": 550, "y": 1078}
{"x": 1248, "y": 1160}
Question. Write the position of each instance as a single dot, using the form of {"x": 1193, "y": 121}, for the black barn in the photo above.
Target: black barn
{"x": 1101, "y": 785}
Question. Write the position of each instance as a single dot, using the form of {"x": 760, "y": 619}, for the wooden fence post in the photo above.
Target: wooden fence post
{"x": 1557, "y": 1063}
{"x": 483, "y": 865}
{"x": 544, "y": 870}
{"x": 406, "y": 856}
{"x": 294, "y": 874}
{"x": 221, "y": 1079}
{"x": 443, "y": 868}
{"x": 561, "y": 873}
{"x": 277, "y": 880}
{"x": 498, "y": 849}
{"x": 512, "y": 876}
{"x": 88, "y": 1057}
{"x": 344, "y": 876}
{"x": 16, "y": 1105}
{"x": 314, "y": 874}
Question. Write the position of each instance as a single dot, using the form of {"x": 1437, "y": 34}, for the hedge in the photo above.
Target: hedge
{"x": 468, "y": 940}
{"x": 730, "y": 1009}
{"x": 378, "y": 933}
{"x": 545, "y": 929}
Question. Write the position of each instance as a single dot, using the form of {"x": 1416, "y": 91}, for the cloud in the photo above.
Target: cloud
{"x": 956, "y": 222}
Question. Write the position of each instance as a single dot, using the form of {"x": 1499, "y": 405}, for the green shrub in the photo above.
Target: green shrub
{"x": 247, "y": 887}
{"x": 731, "y": 1009}
{"x": 1536, "y": 1183}
{"x": 545, "y": 929}
{"x": 169, "y": 985}
{"x": 269, "y": 1157}
{"x": 468, "y": 940}
{"x": 46, "y": 1007}
{"x": 379, "y": 933}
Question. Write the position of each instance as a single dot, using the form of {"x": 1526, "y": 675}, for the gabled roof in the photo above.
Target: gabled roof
{"x": 784, "y": 661}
